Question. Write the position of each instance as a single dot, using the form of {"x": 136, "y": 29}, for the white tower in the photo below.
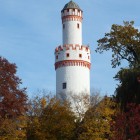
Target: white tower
{"x": 72, "y": 59}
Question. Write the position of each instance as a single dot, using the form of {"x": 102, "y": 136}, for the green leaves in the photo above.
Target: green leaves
{"x": 129, "y": 87}
{"x": 124, "y": 42}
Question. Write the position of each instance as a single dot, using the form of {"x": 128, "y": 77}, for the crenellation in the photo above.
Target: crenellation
{"x": 71, "y": 12}
{"x": 72, "y": 47}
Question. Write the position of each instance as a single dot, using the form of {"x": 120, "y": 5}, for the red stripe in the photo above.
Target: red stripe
{"x": 65, "y": 63}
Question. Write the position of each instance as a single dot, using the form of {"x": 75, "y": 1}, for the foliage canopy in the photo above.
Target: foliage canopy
{"x": 124, "y": 42}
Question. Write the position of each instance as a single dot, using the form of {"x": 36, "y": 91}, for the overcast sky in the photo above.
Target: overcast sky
{"x": 30, "y": 30}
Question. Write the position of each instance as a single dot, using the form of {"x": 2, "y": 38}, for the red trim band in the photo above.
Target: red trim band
{"x": 72, "y": 63}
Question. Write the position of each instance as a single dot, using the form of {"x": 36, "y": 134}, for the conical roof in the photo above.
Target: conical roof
{"x": 71, "y": 5}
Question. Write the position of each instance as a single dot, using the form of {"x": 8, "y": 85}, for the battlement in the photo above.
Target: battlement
{"x": 72, "y": 47}
{"x": 71, "y": 15}
{"x": 68, "y": 12}
{"x": 72, "y": 52}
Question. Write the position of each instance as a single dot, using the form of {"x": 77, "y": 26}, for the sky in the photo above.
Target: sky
{"x": 30, "y": 30}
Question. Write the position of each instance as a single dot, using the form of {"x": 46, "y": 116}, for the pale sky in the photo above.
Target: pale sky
{"x": 30, "y": 30}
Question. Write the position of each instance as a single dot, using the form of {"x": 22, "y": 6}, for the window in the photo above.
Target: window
{"x": 64, "y": 85}
{"x": 57, "y": 57}
{"x": 63, "y": 26}
{"x": 88, "y": 57}
{"x": 67, "y": 10}
{"x": 78, "y": 26}
{"x": 67, "y": 55}
{"x": 73, "y": 10}
{"x": 80, "y": 55}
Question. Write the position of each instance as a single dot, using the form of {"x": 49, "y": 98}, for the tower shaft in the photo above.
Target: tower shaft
{"x": 72, "y": 26}
{"x": 72, "y": 59}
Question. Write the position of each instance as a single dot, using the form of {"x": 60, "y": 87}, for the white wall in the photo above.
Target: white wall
{"x": 76, "y": 77}
{"x": 72, "y": 34}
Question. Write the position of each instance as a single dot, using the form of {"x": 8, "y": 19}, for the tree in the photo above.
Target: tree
{"x": 127, "y": 124}
{"x": 59, "y": 121}
{"x": 12, "y": 98}
{"x": 129, "y": 87}
{"x": 79, "y": 104}
{"x": 96, "y": 124}
{"x": 51, "y": 119}
{"x": 13, "y": 129}
{"x": 35, "y": 109}
{"x": 124, "y": 42}
{"x": 12, "y": 103}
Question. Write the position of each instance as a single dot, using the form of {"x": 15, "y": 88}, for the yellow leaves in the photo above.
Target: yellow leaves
{"x": 58, "y": 121}
{"x": 13, "y": 129}
{"x": 50, "y": 119}
{"x": 43, "y": 102}
{"x": 96, "y": 125}
{"x": 53, "y": 121}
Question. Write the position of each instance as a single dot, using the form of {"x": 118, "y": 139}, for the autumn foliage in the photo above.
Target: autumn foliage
{"x": 96, "y": 124}
{"x": 106, "y": 118}
{"x": 12, "y": 102}
{"x": 50, "y": 119}
{"x": 12, "y": 98}
{"x": 127, "y": 124}
{"x": 123, "y": 41}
